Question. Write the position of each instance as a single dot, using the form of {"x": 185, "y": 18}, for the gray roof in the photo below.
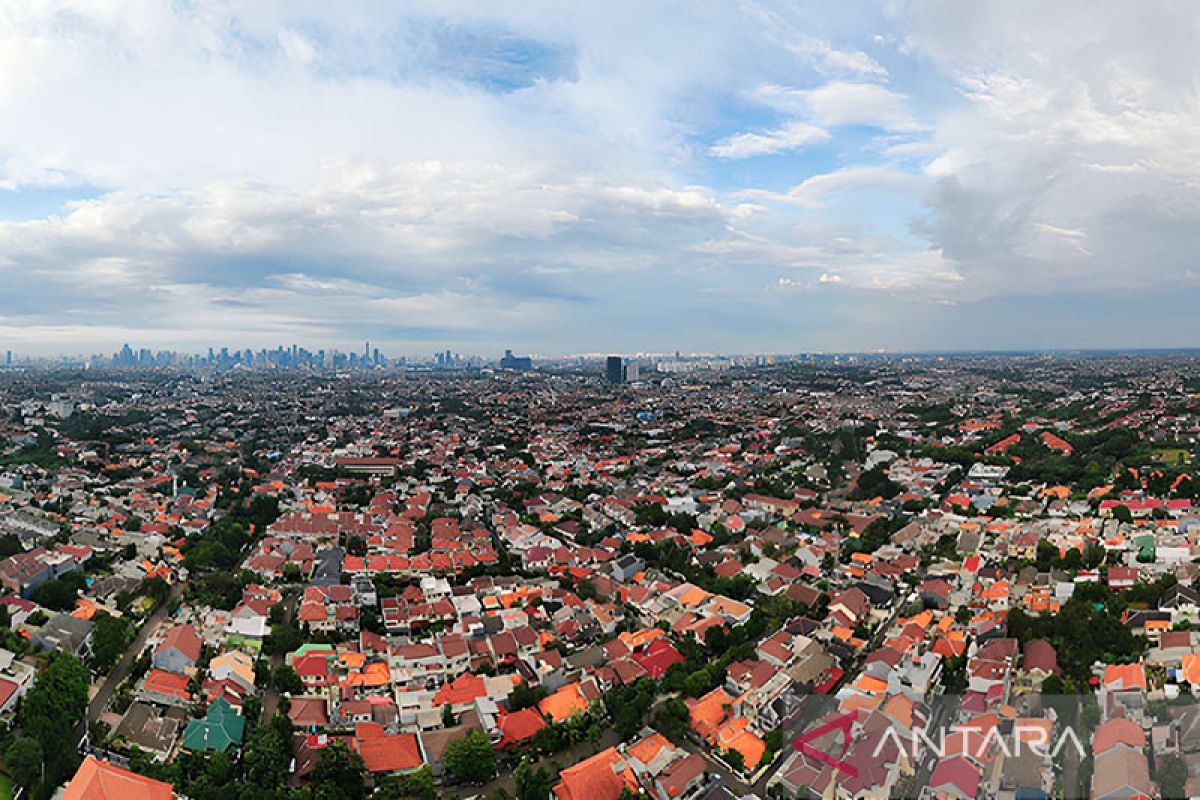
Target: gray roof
{"x": 64, "y": 632}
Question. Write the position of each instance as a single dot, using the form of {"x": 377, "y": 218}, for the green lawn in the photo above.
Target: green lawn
{"x": 6, "y": 787}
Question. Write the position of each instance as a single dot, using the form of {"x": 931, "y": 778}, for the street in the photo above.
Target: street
{"x": 121, "y": 671}
{"x": 271, "y": 696}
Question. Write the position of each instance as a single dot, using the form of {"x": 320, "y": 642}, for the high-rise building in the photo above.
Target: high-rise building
{"x": 515, "y": 362}
{"x": 614, "y": 370}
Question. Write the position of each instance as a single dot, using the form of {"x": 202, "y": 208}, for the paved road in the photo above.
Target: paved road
{"x": 271, "y": 697}
{"x": 121, "y": 671}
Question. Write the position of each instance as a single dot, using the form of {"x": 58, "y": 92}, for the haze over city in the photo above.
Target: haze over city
{"x": 716, "y": 177}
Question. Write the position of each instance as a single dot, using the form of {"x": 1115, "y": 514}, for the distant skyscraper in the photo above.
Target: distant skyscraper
{"x": 614, "y": 369}
{"x": 515, "y": 362}
{"x": 632, "y": 374}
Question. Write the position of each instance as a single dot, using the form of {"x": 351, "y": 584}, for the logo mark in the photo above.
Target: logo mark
{"x": 843, "y": 723}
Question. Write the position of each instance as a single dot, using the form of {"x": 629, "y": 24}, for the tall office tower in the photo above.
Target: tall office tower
{"x": 613, "y": 369}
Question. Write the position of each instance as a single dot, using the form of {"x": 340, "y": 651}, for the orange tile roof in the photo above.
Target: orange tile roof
{"x": 388, "y": 752}
{"x": 645, "y": 750}
{"x": 562, "y": 704}
{"x": 100, "y": 780}
{"x": 736, "y": 736}
{"x": 167, "y": 683}
{"x": 601, "y": 777}
{"x": 640, "y": 638}
{"x": 464, "y": 689}
{"x": 1128, "y": 675}
{"x": 1191, "y": 669}
{"x": 707, "y": 713}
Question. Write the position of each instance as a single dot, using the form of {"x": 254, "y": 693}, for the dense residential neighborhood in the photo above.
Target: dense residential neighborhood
{"x": 756, "y": 578}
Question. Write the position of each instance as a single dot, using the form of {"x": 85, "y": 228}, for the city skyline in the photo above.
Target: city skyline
{"x": 730, "y": 178}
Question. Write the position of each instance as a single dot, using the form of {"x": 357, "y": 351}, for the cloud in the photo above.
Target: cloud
{"x": 817, "y": 189}
{"x": 830, "y": 59}
{"x": 841, "y": 104}
{"x": 1075, "y": 119}
{"x": 456, "y": 173}
{"x": 790, "y": 137}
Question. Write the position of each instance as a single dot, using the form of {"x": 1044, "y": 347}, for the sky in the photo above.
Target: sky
{"x": 627, "y": 177}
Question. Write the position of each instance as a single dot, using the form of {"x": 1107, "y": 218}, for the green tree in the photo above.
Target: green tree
{"x": 533, "y": 783}
{"x": 340, "y": 774}
{"x": 25, "y": 759}
{"x": 57, "y": 594}
{"x": 287, "y": 681}
{"x": 418, "y": 785}
{"x": 470, "y": 759}
{"x": 1052, "y": 685}
{"x": 1172, "y": 775}
{"x": 267, "y": 754}
{"x": 524, "y": 696}
{"x": 110, "y": 638}
{"x": 52, "y": 708}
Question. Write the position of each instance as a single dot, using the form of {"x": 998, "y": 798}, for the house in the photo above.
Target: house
{"x": 1182, "y": 601}
{"x": 1039, "y": 661}
{"x": 604, "y": 776}
{"x": 683, "y": 778}
{"x": 850, "y": 607}
{"x": 18, "y": 609}
{"x": 100, "y": 780}
{"x": 1122, "y": 577}
{"x": 179, "y": 650}
{"x": 234, "y": 666}
{"x": 150, "y": 728}
{"x": 250, "y": 619}
{"x": 219, "y": 731}
{"x": 955, "y": 777}
{"x": 1121, "y": 773}
{"x": 566, "y": 702}
{"x": 384, "y": 753}
{"x": 23, "y": 572}
{"x": 168, "y": 688}
{"x": 625, "y": 567}
{"x": 313, "y": 670}
{"x": 66, "y": 634}
{"x": 519, "y": 727}
{"x": 15, "y": 679}
{"x": 329, "y": 608}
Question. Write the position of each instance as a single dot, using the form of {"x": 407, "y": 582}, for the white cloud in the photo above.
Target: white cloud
{"x": 297, "y": 47}
{"x": 284, "y": 168}
{"x": 792, "y": 136}
{"x": 1066, "y": 115}
{"x": 840, "y": 104}
{"x": 830, "y": 59}
{"x": 815, "y": 191}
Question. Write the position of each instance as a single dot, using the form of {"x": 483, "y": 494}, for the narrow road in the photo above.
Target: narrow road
{"x": 121, "y": 671}
{"x": 271, "y": 696}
